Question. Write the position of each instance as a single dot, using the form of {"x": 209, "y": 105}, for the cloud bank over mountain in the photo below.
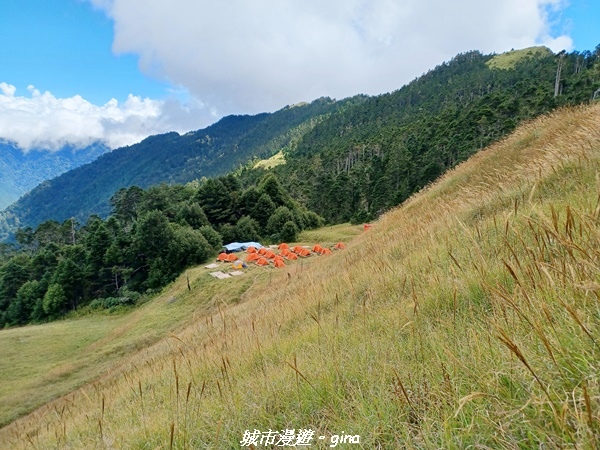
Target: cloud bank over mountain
{"x": 40, "y": 120}
{"x": 245, "y": 56}
{"x": 258, "y": 55}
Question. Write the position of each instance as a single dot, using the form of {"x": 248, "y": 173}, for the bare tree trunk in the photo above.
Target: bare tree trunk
{"x": 558, "y": 71}
{"x": 73, "y": 229}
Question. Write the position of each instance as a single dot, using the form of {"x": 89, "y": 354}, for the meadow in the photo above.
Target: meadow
{"x": 42, "y": 362}
{"x": 466, "y": 318}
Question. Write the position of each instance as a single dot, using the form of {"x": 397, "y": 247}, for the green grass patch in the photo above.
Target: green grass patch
{"x": 41, "y": 362}
{"x": 509, "y": 60}
{"x": 275, "y": 160}
{"x": 330, "y": 235}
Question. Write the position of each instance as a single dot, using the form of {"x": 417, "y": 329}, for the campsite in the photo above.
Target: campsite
{"x": 466, "y": 318}
{"x": 237, "y": 257}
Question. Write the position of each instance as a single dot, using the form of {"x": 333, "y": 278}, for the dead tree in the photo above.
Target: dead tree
{"x": 558, "y": 71}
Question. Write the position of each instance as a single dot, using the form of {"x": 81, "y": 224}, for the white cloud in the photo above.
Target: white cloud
{"x": 41, "y": 120}
{"x": 7, "y": 89}
{"x": 251, "y": 56}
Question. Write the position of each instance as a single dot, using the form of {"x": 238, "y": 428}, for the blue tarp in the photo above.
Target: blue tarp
{"x": 240, "y": 246}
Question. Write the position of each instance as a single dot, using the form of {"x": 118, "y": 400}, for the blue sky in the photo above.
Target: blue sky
{"x": 64, "y": 46}
{"x": 182, "y": 64}
{"x": 581, "y": 20}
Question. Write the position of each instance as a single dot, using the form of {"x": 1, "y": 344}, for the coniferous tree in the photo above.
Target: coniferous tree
{"x": 21, "y": 309}
{"x": 246, "y": 229}
{"x": 216, "y": 202}
{"x": 191, "y": 214}
{"x": 55, "y": 301}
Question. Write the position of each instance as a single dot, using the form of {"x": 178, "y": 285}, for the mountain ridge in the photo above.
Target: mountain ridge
{"x": 347, "y": 160}
{"x": 168, "y": 158}
{"x": 21, "y": 171}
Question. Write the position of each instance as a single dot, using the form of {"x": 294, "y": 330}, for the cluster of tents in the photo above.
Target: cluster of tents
{"x": 262, "y": 256}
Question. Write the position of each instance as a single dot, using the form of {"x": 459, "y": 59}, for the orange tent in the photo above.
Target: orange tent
{"x": 262, "y": 251}
{"x": 304, "y": 252}
{"x": 251, "y": 249}
{"x": 231, "y": 257}
{"x": 252, "y": 257}
{"x": 279, "y": 263}
{"x": 285, "y": 252}
{"x": 270, "y": 254}
{"x": 298, "y": 249}
{"x": 325, "y": 251}
{"x": 292, "y": 256}
{"x": 262, "y": 262}
{"x": 317, "y": 248}
{"x": 340, "y": 246}
{"x": 222, "y": 257}
{"x": 278, "y": 258}
{"x": 283, "y": 246}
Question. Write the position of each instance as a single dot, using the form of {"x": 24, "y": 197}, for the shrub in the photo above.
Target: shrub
{"x": 289, "y": 232}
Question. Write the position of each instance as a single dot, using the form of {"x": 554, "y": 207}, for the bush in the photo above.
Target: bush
{"x": 246, "y": 229}
{"x": 280, "y": 217}
{"x": 360, "y": 216}
{"x": 228, "y": 232}
{"x": 289, "y": 232}
{"x": 189, "y": 247}
{"x": 111, "y": 302}
{"x": 214, "y": 239}
{"x": 312, "y": 220}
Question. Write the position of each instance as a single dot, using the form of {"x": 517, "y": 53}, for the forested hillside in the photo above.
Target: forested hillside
{"x": 169, "y": 158}
{"x": 149, "y": 239}
{"x": 465, "y": 318}
{"x": 22, "y": 171}
{"x": 346, "y": 160}
{"x": 361, "y": 162}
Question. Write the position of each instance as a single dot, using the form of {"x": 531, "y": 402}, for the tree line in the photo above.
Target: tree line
{"x": 373, "y": 156}
{"x": 350, "y": 164}
{"x": 150, "y": 238}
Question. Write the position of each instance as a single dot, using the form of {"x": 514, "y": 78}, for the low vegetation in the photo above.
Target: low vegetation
{"x": 468, "y": 317}
{"x": 510, "y": 59}
{"x": 42, "y": 362}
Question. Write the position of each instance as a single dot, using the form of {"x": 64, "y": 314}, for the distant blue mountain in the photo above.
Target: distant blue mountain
{"x": 166, "y": 158}
{"x": 22, "y": 171}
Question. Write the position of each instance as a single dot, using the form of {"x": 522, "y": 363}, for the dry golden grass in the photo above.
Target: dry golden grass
{"x": 468, "y": 317}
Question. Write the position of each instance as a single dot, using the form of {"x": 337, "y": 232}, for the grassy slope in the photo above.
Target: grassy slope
{"x": 271, "y": 162}
{"x": 467, "y": 317}
{"x": 43, "y": 361}
{"x": 508, "y": 60}
{"x": 39, "y": 363}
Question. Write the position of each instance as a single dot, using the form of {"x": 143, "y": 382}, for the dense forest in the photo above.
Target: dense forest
{"x": 348, "y": 159}
{"x": 345, "y": 161}
{"x": 22, "y": 171}
{"x": 166, "y": 158}
{"x": 149, "y": 239}
{"x": 359, "y": 163}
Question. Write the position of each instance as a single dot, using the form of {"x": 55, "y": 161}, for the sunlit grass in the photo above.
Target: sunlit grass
{"x": 275, "y": 160}
{"x": 508, "y": 60}
{"x": 42, "y": 362}
{"x": 466, "y": 318}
